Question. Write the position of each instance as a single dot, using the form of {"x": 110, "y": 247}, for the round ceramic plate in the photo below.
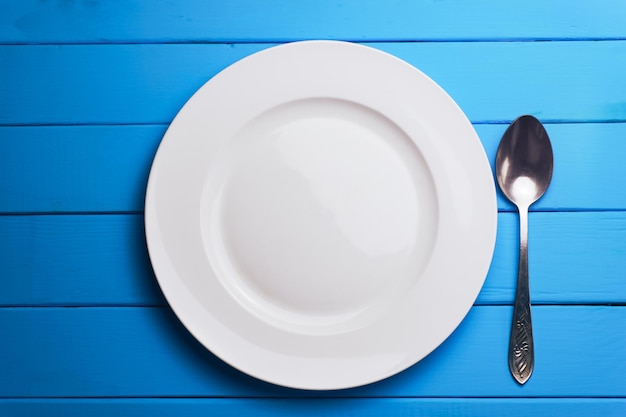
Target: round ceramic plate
{"x": 321, "y": 215}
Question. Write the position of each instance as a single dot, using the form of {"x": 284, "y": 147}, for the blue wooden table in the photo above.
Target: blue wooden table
{"x": 87, "y": 89}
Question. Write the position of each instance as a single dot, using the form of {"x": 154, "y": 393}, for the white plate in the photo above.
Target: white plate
{"x": 321, "y": 215}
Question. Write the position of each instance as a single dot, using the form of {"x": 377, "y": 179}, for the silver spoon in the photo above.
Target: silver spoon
{"x": 524, "y": 169}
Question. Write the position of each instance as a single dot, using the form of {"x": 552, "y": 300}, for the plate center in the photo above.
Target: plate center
{"x": 325, "y": 210}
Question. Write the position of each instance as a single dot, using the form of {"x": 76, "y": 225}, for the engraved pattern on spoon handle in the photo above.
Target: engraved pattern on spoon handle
{"x": 521, "y": 346}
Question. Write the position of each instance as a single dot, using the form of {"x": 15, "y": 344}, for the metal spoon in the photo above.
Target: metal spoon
{"x": 524, "y": 169}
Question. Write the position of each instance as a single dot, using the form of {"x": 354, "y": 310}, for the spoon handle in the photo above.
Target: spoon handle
{"x": 521, "y": 347}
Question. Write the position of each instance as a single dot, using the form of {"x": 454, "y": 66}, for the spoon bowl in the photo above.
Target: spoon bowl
{"x": 524, "y": 161}
{"x": 524, "y": 164}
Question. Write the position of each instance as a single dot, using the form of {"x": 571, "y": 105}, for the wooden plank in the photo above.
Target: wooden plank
{"x": 491, "y": 81}
{"x": 575, "y": 257}
{"x": 105, "y": 168}
{"x": 390, "y": 407}
{"x": 31, "y": 21}
{"x": 145, "y": 352}
{"x": 106, "y": 83}
{"x": 76, "y": 169}
{"x": 76, "y": 260}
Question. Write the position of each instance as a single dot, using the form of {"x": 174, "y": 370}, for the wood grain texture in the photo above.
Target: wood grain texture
{"x": 125, "y": 84}
{"x": 401, "y": 407}
{"x": 92, "y": 21}
{"x": 74, "y": 169}
{"x": 76, "y": 260}
{"x": 145, "y": 352}
{"x": 102, "y": 260}
{"x": 87, "y": 89}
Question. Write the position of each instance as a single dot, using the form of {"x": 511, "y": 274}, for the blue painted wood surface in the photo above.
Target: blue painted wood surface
{"x": 88, "y": 87}
{"x": 145, "y": 352}
{"x": 105, "y": 168}
{"x": 93, "y": 21}
{"x": 281, "y": 407}
{"x": 148, "y": 83}
{"x": 86, "y": 260}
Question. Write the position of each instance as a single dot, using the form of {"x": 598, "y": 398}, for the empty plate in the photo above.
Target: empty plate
{"x": 321, "y": 215}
